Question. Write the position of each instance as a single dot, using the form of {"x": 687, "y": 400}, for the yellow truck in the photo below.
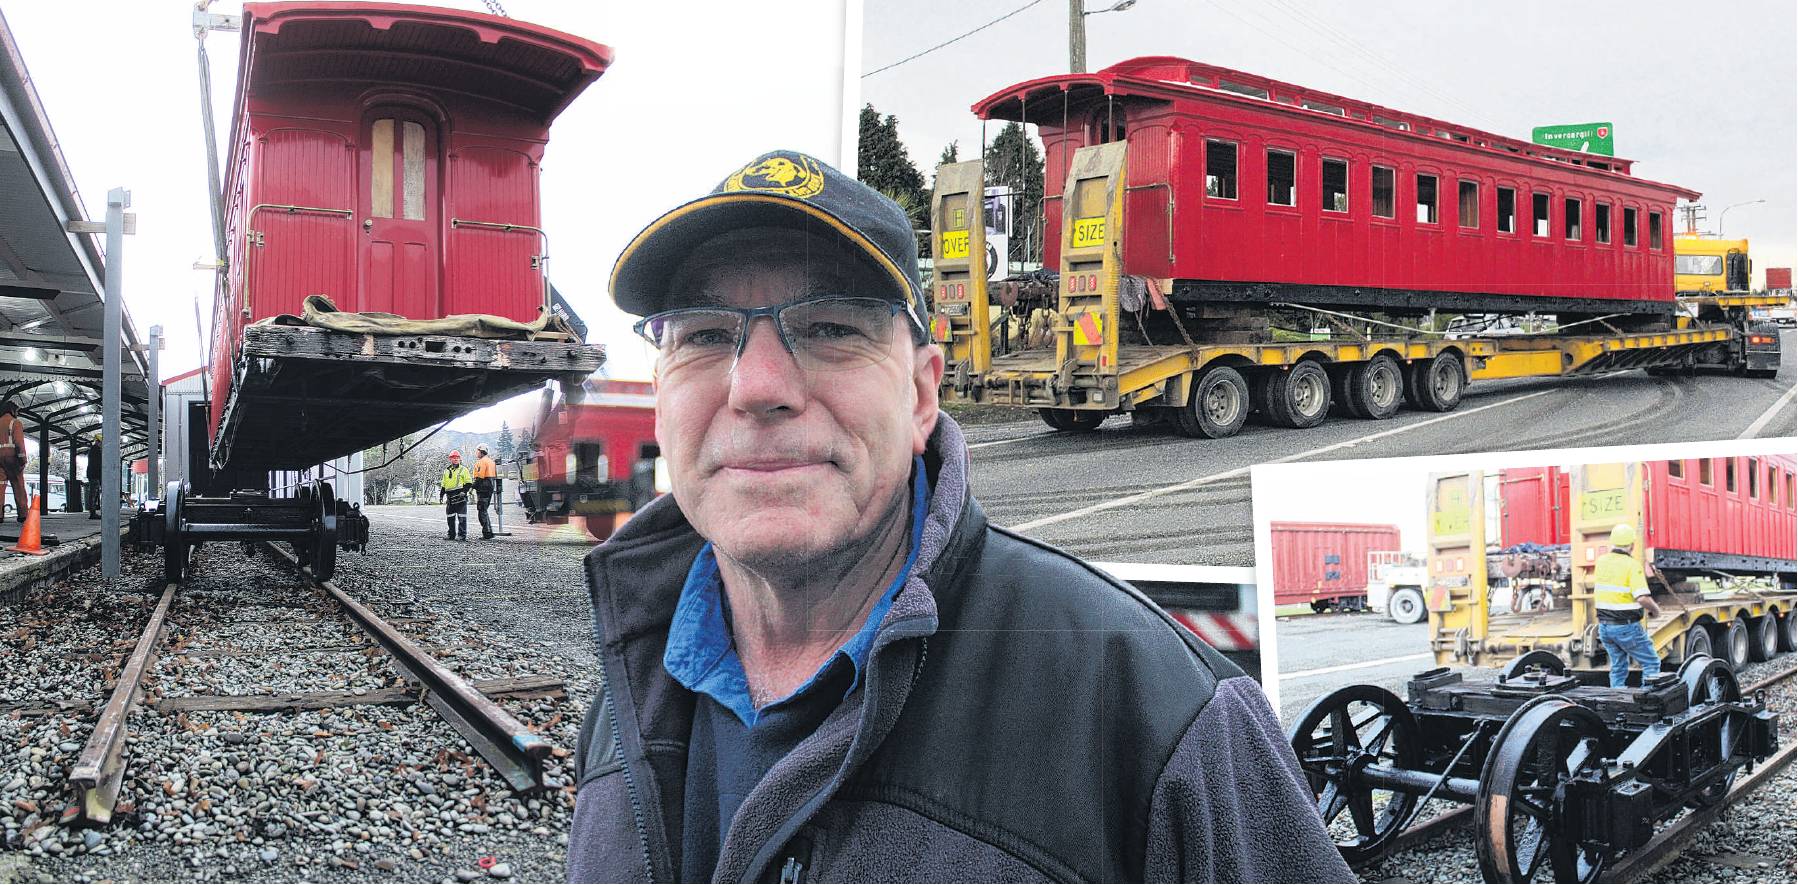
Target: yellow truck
{"x": 1096, "y": 356}
{"x": 1711, "y": 266}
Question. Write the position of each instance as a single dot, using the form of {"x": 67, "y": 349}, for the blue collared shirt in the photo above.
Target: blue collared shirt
{"x": 702, "y": 656}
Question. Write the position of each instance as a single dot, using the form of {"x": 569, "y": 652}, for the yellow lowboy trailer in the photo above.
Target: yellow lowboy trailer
{"x": 1209, "y": 382}
{"x": 1465, "y": 631}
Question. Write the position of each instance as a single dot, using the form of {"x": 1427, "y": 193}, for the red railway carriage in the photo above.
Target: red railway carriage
{"x": 387, "y": 156}
{"x": 1325, "y": 563}
{"x": 596, "y": 458}
{"x": 1533, "y": 506}
{"x": 1243, "y": 188}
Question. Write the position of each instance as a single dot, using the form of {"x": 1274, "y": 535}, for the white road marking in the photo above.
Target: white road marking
{"x": 1300, "y": 456}
{"x": 1000, "y": 442}
{"x": 1767, "y": 416}
{"x": 1361, "y": 666}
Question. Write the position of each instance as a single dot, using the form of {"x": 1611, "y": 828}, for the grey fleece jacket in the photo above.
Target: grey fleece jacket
{"x": 1023, "y": 717}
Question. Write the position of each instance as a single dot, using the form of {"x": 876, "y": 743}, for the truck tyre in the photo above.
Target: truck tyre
{"x": 1731, "y": 643}
{"x": 1375, "y": 388}
{"x": 1698, "y": 642}
{"x": 1788, "y": 631}
{"x": 1298, "y": 397}
{"x": 1218, "y": 405}
{"x": 1406, "y": 606}
{"x": 1436, "y": 384}
{"x": 1763, "y": 638}
{"x": 1072, "y": 419}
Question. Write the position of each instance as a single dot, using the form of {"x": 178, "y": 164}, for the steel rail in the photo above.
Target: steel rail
{"x": 100, "y": 769}
{"x": 506, "y": 743}
{"x": 1666, "y": 845}
{"x": 1454, "y": 817}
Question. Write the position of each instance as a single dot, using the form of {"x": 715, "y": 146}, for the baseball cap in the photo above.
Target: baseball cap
{"x": 778, "y": 189}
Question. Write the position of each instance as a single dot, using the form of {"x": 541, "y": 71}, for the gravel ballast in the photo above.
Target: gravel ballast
{"x": 345, "y": 794}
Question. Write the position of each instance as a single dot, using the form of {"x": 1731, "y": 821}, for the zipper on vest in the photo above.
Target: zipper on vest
{"x": 630, "y": 788}
{"x": 799, "y": 860}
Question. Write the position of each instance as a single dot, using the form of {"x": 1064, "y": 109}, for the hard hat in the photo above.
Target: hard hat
{"x": 482, "y": 448}
{"x": 455, "y": 455}
{"x": 1623, "y": 535}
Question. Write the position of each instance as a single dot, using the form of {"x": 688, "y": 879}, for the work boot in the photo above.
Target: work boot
{"x": 451, "y": 534}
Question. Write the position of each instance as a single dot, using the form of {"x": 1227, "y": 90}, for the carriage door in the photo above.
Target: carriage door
{"x": 399, "y": 215}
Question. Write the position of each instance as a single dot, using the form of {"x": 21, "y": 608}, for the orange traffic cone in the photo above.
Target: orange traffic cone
{"x": 31, "y": 537}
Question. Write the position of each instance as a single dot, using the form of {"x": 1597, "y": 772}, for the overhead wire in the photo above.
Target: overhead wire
{"x": 951, "y": 40}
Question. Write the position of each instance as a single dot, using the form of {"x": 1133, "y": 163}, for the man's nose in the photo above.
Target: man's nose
{"x": 765, "y": 378}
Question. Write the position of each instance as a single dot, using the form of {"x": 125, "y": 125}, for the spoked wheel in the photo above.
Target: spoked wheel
{"x": 1710, "y": 681}
{"x": 1517, "y": 816}
{"x": 1342, "y": 733}
{"x": 1538, "y": 659}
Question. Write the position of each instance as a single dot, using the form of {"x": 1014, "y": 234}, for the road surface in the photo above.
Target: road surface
{"x": 1147, "y": 494}
{"x": 1321, "y": 653}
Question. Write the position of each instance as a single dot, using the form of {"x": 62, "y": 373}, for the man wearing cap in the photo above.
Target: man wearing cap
{"x": 486, "y": 474}
{"x": 821, "y": 663}
{"x": 452, "y": 489}
{"x": 1620, "y": 589}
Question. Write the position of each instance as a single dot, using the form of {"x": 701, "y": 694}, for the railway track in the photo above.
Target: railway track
{"x": 514, "y": 751}
{"x": 1667, "y": 844}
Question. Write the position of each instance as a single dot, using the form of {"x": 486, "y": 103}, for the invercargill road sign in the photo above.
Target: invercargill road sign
{"x": 1592, "y": 138}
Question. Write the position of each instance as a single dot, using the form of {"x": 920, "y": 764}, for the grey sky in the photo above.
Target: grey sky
{"x": 1701, "y": 96}
{"x": 695, "y": 90}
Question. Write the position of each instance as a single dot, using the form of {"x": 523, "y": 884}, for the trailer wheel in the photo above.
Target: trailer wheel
{"x": 1788, "y": 631}
{"x": 1763, "y": 638}
{"x": 1342, "y": 733}
{"x": 1298, "y": 397}
{"x": 1406, "y": 606}
{"x": 1072, "y": 419}
{"x": 1436, "y": 384}
{"x": 1218, "y": 405}
{"x": 1731, "y": 643}
{"x": 1698, "y": 642}
{"x": 1374, "y": 389}
{"x": 1518, "y": 815}
{"x": 1710, "y": 681}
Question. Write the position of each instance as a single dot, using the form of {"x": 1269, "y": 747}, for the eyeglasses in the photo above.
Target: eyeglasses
{"x": 823, "y": 334}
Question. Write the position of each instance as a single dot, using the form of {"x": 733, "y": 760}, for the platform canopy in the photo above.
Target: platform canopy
{"x": 51, "y": 309}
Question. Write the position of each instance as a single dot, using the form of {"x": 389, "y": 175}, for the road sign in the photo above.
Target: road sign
{"x": 1591, "y": 138}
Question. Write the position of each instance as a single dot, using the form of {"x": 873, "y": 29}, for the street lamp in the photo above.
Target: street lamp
{"x": 1725, "y": 213}
{"x": 1077, "y": 13}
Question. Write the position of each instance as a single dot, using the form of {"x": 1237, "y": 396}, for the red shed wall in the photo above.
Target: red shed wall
{"x": 1724, "y": 511}
{"x": 1325, "y": 560}
{"x": 1533, "y": 506}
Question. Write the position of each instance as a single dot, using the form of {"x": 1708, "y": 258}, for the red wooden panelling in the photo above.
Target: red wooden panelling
{"x": 1701, "y": 512}
{"x": 1533, "y": 506}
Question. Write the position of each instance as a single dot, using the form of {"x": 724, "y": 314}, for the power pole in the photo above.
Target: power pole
{"x": 1076, "y": 36}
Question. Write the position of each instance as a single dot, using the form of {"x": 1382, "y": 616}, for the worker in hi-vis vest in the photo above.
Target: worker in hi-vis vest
{"x": 453, "y": 488}
{"x": 1620, "y": 588}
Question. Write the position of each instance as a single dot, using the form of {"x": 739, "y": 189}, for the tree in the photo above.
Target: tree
{"x": 883, "y": 164}
{"x": 506, "y": 445}
{"x": 951, "y": 154}
{"x": 1013, "y": 161}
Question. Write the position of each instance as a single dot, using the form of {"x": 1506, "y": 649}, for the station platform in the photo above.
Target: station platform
{"x": 71, "y": 542}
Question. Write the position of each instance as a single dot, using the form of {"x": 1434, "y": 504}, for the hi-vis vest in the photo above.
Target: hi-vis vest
{"x": 1617, "y": 580}
{"x": 485, "y": 468}
{"x": 455, "y": 477}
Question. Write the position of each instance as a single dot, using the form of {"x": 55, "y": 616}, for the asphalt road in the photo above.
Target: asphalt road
{"x": 1147, "y": 494}
{"x": 1321, "y": 653}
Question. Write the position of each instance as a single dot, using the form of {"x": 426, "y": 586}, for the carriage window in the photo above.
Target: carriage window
{"x": 1220, "y": 169}
{"x": 1601, "y": 222}
{"x": 1654, "y": 230}
{"x": 1282, "y": 179}
{"x": 1426, "y": 199}
{"x": 1704, "y": 472}
{"x": 1382, "y": 192}
{"x": 1676, "y": 469}
{"x": 1240, "y": 89}
{"x": 1629, "y": 226}
{"x": 1507, "y": 210}
{"x": 1468, "y": 201}
{"x": 1729, "y": 474}
{"x": 1539, "y": 214}
{"x": 412, "y": 169}
{"x": 1791, "y": 491}
{"x": 1754, "y": 478}
{"x": 1335, "y": 185}
{"x": 1570, "y": 221}
{"x": 1400, "y": 125}
{"x": 1772, "y": 485}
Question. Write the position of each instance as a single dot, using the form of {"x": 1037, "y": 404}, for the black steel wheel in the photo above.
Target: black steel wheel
{"x": 1698, "y": 642}
{"x": 1436, "y": 384}
{"x": 1217, "y": 406}
{"x": 324, "y": 538}
{"x": 1537, "y": 659}
{"x": 1298, "y": 397}
{"x": 1788, "y": 631}
{"x": 1375, "y": 388}
{"x": 1730, "y": 642}
{"x": 1711, "y": 681}
{"x": 1519, "y": 821}
{"x": 1763, "y": 638}
{"x": 1342, "y": 733}
{"x": 174, "y": 547}
{"x": 1072, "y": 419}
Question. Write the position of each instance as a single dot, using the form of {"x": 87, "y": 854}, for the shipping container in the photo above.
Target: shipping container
{"x": 1324, "y": 564}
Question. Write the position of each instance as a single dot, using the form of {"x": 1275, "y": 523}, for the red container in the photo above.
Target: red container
{"x": 1533, "y": 506}
{"x": 1779, "y": 278}
{"x": 614, "y": 426}
{"x": 387, "y": 155}
{"x": 1318, "y": 562}
{"x": 1741, "y": 506}
{"x": 1213, "y": 237}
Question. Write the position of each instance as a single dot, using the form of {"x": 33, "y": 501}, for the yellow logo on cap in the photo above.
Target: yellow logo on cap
{"x": 791, "y": 176}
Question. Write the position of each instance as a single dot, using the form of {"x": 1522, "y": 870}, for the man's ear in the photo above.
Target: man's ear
{"x": 927, "y": 375}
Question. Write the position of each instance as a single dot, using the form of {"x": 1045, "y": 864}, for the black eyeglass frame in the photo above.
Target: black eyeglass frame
{"x": 773, "y": 311}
